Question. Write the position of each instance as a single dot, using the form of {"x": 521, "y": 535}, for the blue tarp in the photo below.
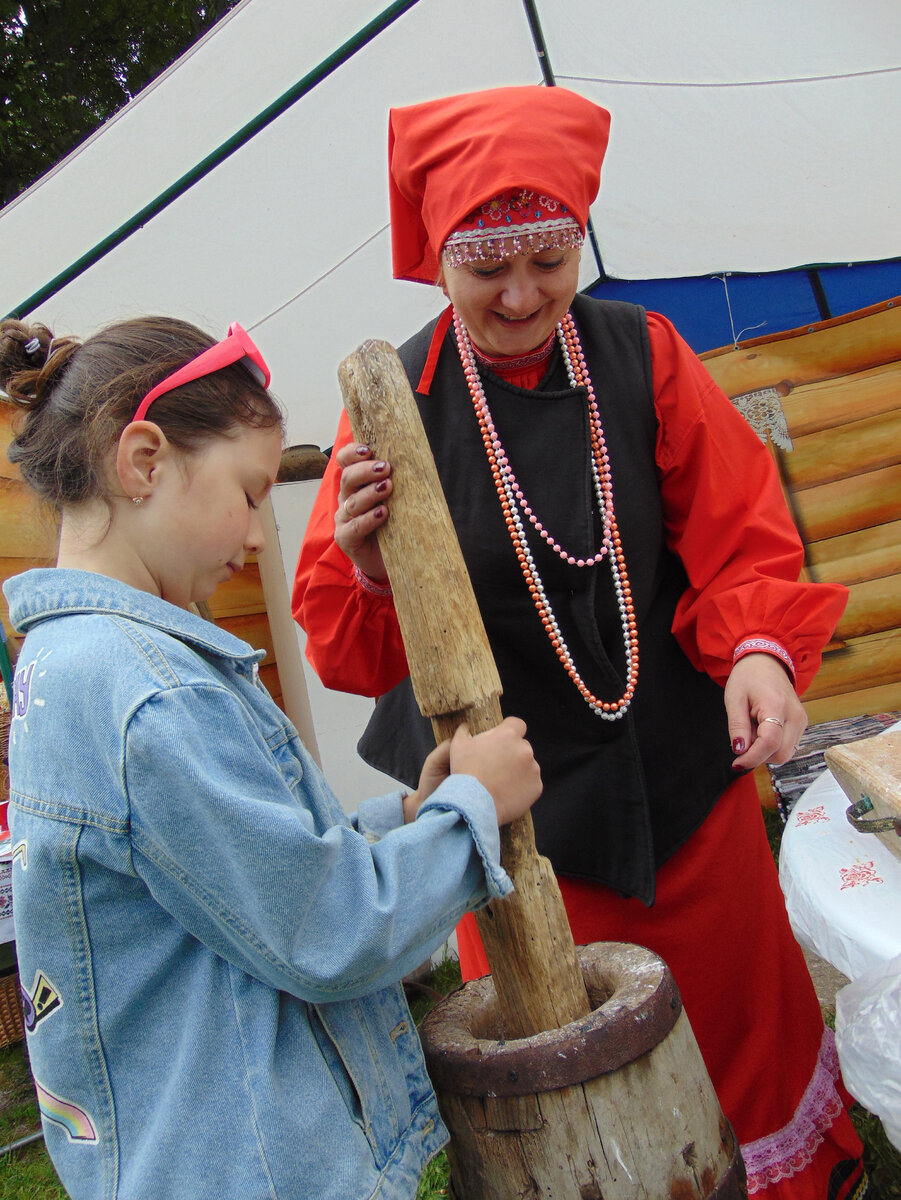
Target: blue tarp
{"x": 715, "y": 311}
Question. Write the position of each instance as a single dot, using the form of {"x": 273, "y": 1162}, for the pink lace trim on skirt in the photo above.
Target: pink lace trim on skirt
{"x": 789, "y": 1150}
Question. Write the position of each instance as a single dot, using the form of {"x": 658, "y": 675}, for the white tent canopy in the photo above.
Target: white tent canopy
{"x": 745, "y": 137}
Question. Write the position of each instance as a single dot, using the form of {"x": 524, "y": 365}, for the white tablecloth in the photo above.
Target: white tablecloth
{"x": 842, "y": 888}
{"x": 843, "y": 895}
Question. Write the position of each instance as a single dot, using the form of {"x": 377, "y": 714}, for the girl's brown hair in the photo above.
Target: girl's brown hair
{"x": 77, "y": 397}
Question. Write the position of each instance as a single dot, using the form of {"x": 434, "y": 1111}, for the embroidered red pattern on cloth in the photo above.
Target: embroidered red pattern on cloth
{"x": 370, "y": 585}
{"x": 788, "y": 1151}
{"x": 859, "y": 874}
{"x": 755, "y": 645}
{"x": 813, "y": 816}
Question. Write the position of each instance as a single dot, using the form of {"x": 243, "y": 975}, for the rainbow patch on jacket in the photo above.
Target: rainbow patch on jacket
{"x": 74, "y": 1121}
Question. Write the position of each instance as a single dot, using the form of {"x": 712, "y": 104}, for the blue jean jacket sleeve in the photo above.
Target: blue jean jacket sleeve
{"x": 242, "y": 841}
{"x": 378, "y": 816}
{"x": 374, "y": 818}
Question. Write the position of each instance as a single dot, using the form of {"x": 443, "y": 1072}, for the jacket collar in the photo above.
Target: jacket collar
{"x": 48, "y": 592}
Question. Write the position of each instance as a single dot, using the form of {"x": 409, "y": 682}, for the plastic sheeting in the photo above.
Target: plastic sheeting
{"x": 868, "y": 1038}
{"x": 842, "y": 888}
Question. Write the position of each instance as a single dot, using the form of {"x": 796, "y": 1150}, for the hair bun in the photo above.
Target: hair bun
{"x": 22, "y": 358}
{"x": 25, "y": 352}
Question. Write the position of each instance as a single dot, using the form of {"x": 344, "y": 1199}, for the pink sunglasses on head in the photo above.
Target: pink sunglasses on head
{"x": 236, "y": 346}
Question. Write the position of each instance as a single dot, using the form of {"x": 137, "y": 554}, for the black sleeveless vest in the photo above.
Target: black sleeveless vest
{"x": 619, "y": 796}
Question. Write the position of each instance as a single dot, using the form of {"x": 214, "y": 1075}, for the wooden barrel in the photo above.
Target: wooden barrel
{"x": 615, "y": 1106}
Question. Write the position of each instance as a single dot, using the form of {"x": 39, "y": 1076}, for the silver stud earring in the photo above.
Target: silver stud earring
{"x": 137, "y": 499}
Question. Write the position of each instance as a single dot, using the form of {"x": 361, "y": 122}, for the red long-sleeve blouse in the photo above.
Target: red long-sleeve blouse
{"x": 726, "y": 519}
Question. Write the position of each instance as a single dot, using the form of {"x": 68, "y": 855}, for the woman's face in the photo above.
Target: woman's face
{"x": 511, "y": 305}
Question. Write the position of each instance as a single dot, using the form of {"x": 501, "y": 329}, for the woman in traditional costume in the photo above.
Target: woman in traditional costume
{"x": 608, "y": 499}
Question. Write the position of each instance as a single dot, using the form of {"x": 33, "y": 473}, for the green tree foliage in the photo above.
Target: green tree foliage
{"x": 68, "y": 65}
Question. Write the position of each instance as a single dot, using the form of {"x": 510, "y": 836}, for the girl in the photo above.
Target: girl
{"x": 208, "y": 946}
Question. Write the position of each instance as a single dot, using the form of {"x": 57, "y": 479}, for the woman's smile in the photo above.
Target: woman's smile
{"x": 511, "y": 305}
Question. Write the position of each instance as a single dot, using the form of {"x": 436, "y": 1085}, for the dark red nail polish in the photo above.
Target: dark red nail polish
{"x": 738, "y": 745}
{"x": 379, "y": 466}
{"x": 381, "y": 485}
{"x": 362, "y": 449}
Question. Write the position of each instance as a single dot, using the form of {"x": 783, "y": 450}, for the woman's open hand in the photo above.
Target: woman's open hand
{"x": 362, "y": 508}
{"x": 766, "y": 718}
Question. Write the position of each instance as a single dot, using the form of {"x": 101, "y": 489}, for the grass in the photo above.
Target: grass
{"x": 27, "y": 1174}
{"x": 882, "y": 1160}
{"x": 433, "y": 1185}
{"x": 444, "y": 978}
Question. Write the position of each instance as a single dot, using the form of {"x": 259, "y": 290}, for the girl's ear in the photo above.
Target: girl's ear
{"x": 142, "y": 448}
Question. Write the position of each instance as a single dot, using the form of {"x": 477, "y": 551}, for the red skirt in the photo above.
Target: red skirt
{"x": 720, "y": 924}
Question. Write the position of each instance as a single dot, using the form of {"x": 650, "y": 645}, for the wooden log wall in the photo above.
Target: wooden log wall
{"x": 28, "y": 533}
{"x": 28, "y": 538}
{"x": 840, "y": 388}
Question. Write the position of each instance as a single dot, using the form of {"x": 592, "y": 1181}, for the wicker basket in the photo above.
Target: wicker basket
{"x": 12, "y": 1026}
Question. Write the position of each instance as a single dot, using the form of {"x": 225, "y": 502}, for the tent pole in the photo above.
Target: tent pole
{"x": 548, "y": 73}
{"x": 819, "y": 293}
{"x": 540, "y": 44}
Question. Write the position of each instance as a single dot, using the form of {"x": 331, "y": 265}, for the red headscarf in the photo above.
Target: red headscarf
{"x": 448, "y": 156}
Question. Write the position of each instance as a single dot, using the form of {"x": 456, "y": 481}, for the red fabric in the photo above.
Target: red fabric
{"x": 353, "y": 639}
{"x": 731, "y": 529}
{"x": 525, "y": 377}
{"x": 744, "y": 982}
{"x": 431, "y": 362}
{"x": 447, "y": 156}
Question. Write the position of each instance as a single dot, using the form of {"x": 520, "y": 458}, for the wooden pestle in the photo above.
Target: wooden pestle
{"x": 526, "y": 936}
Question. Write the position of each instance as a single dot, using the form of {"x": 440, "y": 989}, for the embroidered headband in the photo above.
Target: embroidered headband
{"x": 515, "y": 222}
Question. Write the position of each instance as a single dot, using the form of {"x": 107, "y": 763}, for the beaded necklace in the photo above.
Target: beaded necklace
{"x": 512, "y": 501}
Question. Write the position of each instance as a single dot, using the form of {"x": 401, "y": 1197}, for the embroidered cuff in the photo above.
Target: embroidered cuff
{"x": 370, "y": 585}
{"x": 762, "y": 645}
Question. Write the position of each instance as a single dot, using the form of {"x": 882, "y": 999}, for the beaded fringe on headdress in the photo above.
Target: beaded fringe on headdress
{"x": 514, "y": 222}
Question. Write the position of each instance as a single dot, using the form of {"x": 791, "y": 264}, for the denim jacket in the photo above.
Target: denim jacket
{"x": 208, "y": 946}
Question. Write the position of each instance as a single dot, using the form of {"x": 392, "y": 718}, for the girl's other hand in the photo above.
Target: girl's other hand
{"x": 435, "y": 770}
{"x": 362, "y": 508}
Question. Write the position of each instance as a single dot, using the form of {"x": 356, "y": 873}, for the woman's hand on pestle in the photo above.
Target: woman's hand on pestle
{"x": 500, "y": 759}
{"x": 362, "y": 508}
